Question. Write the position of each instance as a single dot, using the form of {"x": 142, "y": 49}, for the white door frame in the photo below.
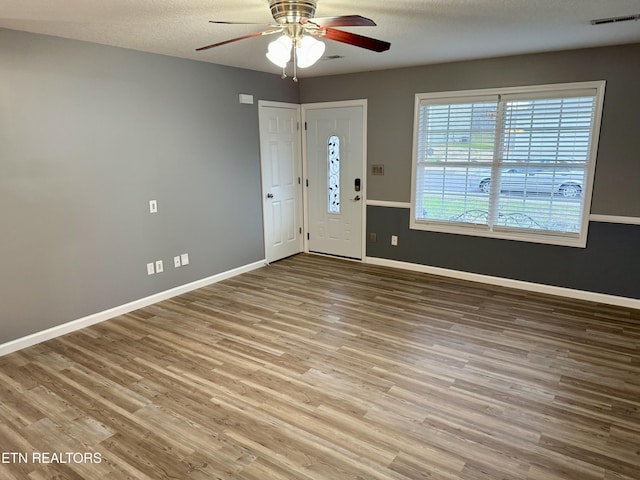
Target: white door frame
{"x": 305, "y": 166}
{"x": 267, "y": 103}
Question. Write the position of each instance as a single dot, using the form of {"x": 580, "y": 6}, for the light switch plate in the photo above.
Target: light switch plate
{"x": 159, "y": 266}
{"x": 153, "y": 206}
{"x": 377, "y": 169}
{"x": 184, "y": 259}
{"x": 150, "y": 269}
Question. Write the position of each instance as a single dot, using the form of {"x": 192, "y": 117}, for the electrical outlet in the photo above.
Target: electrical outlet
{"x": 176, "y": 261}
{"x": 394, "y": 240}
{"x": 159, "y": 266}
{"x": 153, "y": 206}
{"x": 184, "y": 259}
{"x": 150, "y": 269}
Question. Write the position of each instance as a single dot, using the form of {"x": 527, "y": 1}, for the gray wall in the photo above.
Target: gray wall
{"x": 88, "y": 135}
{"x": 610, "y": 263}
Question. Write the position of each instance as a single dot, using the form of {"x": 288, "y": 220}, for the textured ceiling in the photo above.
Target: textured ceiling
{"x": 420, "y": 31}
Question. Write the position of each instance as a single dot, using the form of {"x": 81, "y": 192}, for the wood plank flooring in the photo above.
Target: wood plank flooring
{"x": 318, "y": 368}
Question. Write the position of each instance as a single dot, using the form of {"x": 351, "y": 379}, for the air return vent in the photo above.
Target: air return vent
{"x": 626, "y": 18}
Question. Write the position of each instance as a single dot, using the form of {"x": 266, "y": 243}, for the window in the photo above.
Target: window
{"x": 513, "y": 163}
{"x": 333, "y": 174}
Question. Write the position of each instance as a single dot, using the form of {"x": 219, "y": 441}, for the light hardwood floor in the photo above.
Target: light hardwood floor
{"x": 317, "y": 368}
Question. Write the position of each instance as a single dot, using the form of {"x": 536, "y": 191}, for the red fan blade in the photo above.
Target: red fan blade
{"x": 256, "y": 34}
{"x": 342, "y": 21}
{"x": 356, "y": 40}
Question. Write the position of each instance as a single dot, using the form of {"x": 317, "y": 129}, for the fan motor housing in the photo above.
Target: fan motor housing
{"x": 289, "y": 11}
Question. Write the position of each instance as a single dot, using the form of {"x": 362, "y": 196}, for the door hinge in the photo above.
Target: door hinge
{"x": 305, "y": 125}
{"x": 307, "y": 236}
{"x": 297, "y": 125}
{"x": 299, "y": 182}
{"x": 300, "y": 230}
{"x": 307, "y": 182}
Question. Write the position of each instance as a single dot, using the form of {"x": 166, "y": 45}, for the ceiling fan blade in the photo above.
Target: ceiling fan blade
{"x": 251, "y": 35}
{"x": 342, "y": 21}
{"x": 356, "y": 40}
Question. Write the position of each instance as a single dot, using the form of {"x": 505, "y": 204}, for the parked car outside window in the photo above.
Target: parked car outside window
{"x": 566, "y": 183}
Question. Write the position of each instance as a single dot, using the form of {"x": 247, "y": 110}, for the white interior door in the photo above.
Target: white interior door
{"x": 335, "y": 153}
{"x": 281, "y": 162}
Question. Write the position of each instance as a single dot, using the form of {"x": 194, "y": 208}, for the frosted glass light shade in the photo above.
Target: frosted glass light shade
{"x": 279, "y": 51}
{"x": 309, "y": 50}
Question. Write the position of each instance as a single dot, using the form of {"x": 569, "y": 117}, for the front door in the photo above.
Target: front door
{"x": 335, "y": 150}
{"x": 281, "y": 164}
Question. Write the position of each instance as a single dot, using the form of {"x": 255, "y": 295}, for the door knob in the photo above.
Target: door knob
{"x": 269, "y": 195}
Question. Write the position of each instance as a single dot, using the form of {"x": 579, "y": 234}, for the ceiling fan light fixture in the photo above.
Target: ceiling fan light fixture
{"x": 308, "y": 51}
{"x": 300, "y": 28}
{"x": 279, "y": 51}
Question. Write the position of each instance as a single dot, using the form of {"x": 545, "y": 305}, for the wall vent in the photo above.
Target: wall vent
{"x": 626, "y": 18}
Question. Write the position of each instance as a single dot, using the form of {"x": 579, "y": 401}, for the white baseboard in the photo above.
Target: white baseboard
{"x": 507, "y": 282}
{"x": 59, "y": 330}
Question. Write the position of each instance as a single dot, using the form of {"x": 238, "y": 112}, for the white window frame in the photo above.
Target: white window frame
{"x": 505, "y": 233}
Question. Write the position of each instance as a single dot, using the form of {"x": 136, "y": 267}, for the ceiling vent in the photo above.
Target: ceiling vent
{"x": 626, "y": 18}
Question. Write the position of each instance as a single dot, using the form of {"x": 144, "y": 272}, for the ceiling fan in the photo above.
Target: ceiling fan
{"x": 300, "y": 30}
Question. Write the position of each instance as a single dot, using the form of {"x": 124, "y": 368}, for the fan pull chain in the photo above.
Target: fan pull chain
{"x": 295, "y": 60}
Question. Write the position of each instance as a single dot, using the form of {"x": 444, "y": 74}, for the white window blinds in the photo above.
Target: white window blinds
{"x": 544, "y": 156}
{"x": 510, "y": 163}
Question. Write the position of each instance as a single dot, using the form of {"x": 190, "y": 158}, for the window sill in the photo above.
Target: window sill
{"x": 579, "y": 241}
